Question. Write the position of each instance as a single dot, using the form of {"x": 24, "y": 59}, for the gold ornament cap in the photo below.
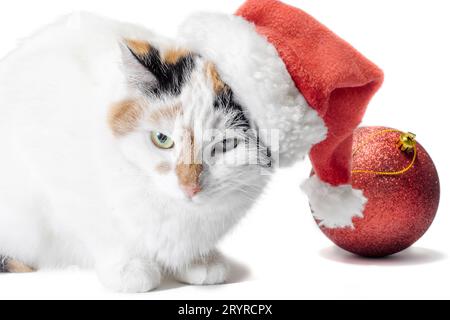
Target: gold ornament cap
{"x": 407, "y": 142}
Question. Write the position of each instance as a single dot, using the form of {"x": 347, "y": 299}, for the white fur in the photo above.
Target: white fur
{"x": 250, "y": 64}
{"x": 72, "y": 193}
{"x": 208, "y": 271}
{"x": 334, "y": 207}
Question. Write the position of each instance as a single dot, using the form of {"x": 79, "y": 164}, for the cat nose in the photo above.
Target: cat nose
{"x": 191, "y": 190}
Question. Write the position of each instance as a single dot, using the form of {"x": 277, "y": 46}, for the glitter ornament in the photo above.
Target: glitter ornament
{"x": 401, "y": 184}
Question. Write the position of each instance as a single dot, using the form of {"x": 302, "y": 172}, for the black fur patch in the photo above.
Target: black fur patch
{"x": 170, "y": 77}
{"x": 3, "y": 264}
{"x": 225, "y": 101}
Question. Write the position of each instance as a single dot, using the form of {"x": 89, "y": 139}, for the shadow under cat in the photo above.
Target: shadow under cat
{"x": 238, "y": 273}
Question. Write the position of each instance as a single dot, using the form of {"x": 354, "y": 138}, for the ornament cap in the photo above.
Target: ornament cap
{"x": 407, "y": 141}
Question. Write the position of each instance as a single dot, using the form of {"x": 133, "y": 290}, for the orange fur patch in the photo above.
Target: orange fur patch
{"x": 187, "y": 169}
{"x": 15, "y": 266}
{"x": 140, "y": 48}
{"x": 124, "y": 117}
{"x": 166, "y": 113}
{"x": 189, "y": 174}
{"x": 211, "y": 73}
{"x": 174, "y": 55}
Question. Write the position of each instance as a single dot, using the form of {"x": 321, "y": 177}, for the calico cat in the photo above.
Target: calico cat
{"x": 102, "y": 131}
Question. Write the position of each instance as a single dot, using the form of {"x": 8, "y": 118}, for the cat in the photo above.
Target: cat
{"x": 135, "y": 154}
{"x": 102, "y": 131}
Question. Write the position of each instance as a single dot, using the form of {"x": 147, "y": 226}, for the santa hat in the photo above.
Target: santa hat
{"x": 293, "y": 74}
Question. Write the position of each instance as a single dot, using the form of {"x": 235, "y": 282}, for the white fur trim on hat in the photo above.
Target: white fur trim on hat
{"x": 252, "y": 67}
{"x": 334, "y": 207}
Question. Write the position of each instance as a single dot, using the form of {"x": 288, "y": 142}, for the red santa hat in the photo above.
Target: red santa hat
{"x": 294, "y": 75}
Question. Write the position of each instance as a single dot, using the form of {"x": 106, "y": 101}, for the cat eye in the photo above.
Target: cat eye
{"x": 230, "y": 144}
{"x": 225, "y": 146}
{"x": 161, "y": 140}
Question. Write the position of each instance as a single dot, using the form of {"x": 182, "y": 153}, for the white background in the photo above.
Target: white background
{"x": 281, "y": 252}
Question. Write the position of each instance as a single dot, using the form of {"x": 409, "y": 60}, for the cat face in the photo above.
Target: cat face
{"x": 182, "y": 126}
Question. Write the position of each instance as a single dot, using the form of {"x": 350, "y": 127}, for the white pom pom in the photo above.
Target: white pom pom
{"x": 334, "y": 206}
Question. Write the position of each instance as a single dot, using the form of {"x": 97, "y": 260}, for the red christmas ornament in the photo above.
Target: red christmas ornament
{"x": 401, "y": 184}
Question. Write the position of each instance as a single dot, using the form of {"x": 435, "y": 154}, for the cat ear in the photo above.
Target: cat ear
{"x": 136, "y": 59}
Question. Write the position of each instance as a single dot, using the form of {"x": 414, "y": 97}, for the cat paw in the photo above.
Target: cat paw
{"x": 135, "y": 276}
{"x": 210, "y": 271}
